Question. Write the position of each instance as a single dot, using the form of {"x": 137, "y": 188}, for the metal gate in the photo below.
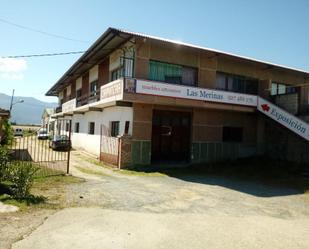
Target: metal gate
{"x": 109, "y": 147}
{"x": 47, "y": 147}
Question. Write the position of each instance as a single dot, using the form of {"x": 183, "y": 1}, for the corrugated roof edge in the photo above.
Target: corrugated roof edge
{"x": 211, "y": 50}
{"x": 174, "y": 42}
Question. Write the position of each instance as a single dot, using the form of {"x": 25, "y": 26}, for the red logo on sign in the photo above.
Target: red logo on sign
{"x": 265, "y": 107}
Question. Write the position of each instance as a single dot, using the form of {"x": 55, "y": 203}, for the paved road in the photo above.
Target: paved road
{"x": 122, "y": 211}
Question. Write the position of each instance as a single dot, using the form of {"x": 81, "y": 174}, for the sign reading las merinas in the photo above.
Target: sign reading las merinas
{"x": 194, "y": 93}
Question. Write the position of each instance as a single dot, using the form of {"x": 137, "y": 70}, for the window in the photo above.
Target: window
{"x": 93, "y": 88}
{"x": 172, "y": 73}
{"x": 115, "y": 128}
{"x": 124, "y": 70}
{"x": 76, "y": 127}
{"x": 278, "y": 88}
{"x": 67, "y": 126}
{"x": 116, "y": 74}
{"x": 91, "y": 128}
{"x": 126, "y": 127}
{"x": 236, "y": 83}
{"x": 232, "y": 134}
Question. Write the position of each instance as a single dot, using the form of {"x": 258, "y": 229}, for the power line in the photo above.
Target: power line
{"x": 40, "y": 31}
{"x": 42, "y": 55}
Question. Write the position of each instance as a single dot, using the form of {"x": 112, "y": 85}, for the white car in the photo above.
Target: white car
{"x": 18, "y": 132}
{"x": 42, "y": 134}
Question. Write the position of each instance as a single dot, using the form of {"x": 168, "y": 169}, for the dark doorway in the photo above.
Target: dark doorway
{"x": 171, "y": 133}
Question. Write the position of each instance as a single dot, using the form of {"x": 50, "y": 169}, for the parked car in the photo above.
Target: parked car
{"x": 18, "y": 132}
{"x": 42, "y": 134}
{"x": 60, "y": 142}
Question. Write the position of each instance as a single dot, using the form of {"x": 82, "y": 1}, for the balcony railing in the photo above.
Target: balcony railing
{"x": 88, "y": 98}
{"x": 58, "y": 109}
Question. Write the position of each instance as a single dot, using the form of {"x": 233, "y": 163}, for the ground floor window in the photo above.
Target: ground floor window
{"x": 76, "y": 127}
{"x": 91, "y": 127}
{"x": 232, "y": 134}
{"x": 115, "y": 128}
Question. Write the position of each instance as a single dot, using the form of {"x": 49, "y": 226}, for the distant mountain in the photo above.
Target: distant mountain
{"x": 28, "y": 112}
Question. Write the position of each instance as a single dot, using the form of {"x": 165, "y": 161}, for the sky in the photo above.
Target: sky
{"x": 271, "y": 30}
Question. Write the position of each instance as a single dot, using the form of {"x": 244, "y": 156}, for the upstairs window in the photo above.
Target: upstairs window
{"x": 279, "y": 88}
{"x": 232, "y": 134}
{"x": 93, "y": 88}
{"x": 124, "y": 70}
{"x": 172, "y": 73}
{"x": 236, "y": 83}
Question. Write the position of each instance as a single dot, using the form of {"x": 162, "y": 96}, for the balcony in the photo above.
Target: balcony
{"x": 58, "y": 109}
{"x": 88, "y": 98}
{"x": 145, "y": 91}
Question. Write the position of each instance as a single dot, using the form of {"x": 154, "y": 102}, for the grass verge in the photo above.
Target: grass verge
{"x": 46, "y": 192}
{"x": 131, "y": 172}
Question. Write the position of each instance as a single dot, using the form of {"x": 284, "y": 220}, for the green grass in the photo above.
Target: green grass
{"x": 46, "y": 192}
{"x": 90, "y": 171}
{"x": 131, "y": 172}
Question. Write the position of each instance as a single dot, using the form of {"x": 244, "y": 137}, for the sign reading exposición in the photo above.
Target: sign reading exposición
{"x": 194, "y": 93}
{"x": 291, "y": 122}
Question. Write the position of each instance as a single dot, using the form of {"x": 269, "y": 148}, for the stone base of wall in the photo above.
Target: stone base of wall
{"x": 210, "y": 152}
{"x": 109, "y": 159}
{"x": 125, "y": 156}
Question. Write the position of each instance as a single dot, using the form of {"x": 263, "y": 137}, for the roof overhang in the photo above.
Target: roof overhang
{"x": 107, "y": 43}
{"x": 113, "y": 38}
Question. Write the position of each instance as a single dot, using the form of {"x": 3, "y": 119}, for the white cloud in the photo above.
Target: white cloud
{"x": 12, "y": 69}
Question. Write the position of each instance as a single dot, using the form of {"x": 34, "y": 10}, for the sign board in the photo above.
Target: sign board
{"x": 286, "y": 119}
{"x": 112, "y": 91}
{"x": 194, "y": 93}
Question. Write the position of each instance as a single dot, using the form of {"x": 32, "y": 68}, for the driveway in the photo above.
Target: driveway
{"x": 120, "y": 210}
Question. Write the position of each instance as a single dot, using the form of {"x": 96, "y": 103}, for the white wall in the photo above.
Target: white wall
{"x": 79, "y": 83}
{"x": 91, "y": 143}
{"x": 93, "y": 73}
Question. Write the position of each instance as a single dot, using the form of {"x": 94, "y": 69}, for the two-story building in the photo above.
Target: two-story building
{"x": 136, "y": 99}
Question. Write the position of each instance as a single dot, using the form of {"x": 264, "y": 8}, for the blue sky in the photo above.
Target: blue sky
{"x": 273, "y": 30}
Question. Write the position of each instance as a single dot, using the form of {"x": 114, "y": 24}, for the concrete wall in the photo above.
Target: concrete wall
{"x": 209, "y": 63}
{"x": 91, "y": 143}
{"x": 288, "y": 102}
{"x": 206, "y": 134}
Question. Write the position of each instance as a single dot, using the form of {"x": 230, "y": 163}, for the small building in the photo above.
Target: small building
{"x": 47, "y": 120}
{"x": 4, "y": 115}
{"x": 135, "y": 99}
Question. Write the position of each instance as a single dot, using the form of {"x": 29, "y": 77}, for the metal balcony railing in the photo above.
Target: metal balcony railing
{"x": 88, "y": 98}
{"x": 58, "y": 109}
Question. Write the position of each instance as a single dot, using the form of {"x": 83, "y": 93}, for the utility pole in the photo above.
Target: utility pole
{"x": 11, "y": 105}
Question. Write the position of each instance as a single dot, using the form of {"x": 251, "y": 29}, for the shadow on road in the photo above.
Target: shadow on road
{"x": 255, "y": 176}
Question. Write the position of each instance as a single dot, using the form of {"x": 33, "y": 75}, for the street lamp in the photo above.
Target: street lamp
{"x": 17, "y": 102}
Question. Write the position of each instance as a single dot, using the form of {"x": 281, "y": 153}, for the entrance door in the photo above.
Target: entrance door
{"x": 171, "y": 136}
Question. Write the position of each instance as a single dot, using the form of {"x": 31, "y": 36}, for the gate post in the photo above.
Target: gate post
{"x": 69, "y": 152}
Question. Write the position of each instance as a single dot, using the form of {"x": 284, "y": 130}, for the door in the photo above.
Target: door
{"x": 171, "y": 133}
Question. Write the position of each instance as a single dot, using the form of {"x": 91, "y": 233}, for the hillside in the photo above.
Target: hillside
{"x": 28, "y": 112}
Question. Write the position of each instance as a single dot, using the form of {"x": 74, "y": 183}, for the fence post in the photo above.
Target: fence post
{"x": 69, "y": 152}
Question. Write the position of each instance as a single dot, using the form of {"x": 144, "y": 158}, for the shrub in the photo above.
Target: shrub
{"x": 21, "y": 175}
{"x": 4, "y": 160}
{"x": 8, "y": 136}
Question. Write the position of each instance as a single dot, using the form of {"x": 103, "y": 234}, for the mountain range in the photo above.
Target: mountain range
{"x": 29, "y": 112}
